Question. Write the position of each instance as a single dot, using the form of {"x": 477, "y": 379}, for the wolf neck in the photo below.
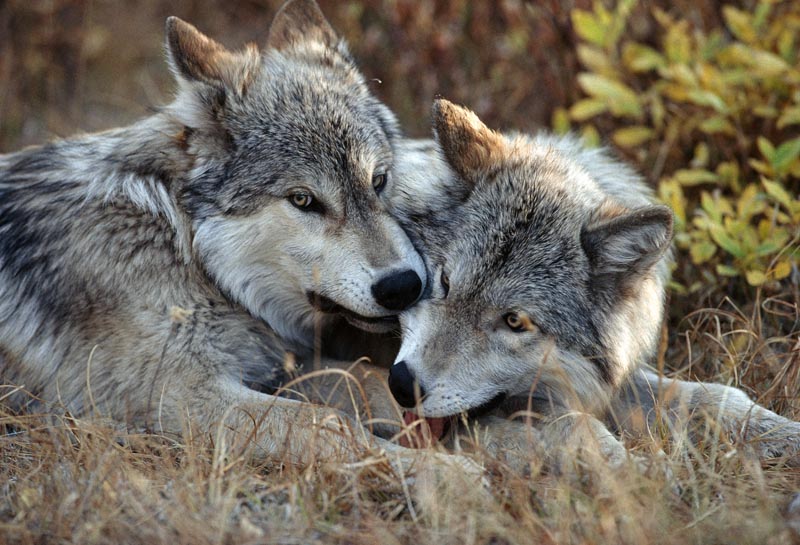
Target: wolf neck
{"x": 145, "y": 165}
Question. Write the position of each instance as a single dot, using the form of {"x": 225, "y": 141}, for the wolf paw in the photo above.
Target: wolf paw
{"x": 783, "y": 443}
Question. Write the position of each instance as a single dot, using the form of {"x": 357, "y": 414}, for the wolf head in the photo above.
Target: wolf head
{"x": 291, "y": 153}
{"x": 543, "y": 280}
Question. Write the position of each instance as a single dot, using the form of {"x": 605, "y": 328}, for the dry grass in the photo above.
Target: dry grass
{"x": 68, "y": 65}
{"x": 67, "y": 481}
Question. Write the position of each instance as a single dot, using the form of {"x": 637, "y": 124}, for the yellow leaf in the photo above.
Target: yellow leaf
{"x": 595, "y": 59}
{"x": 781, "y": 270}
{"x": 777, "y": 192}
{"x": 640, "y": 58}
{"x": 755, "y": 278}
{"x": 587, "y": 108}
{"x": 702, "y": 251}
{"x": 700, "y": 158}
{"x": 589, "y": 27}
{"x": 768, "y": 64}
{"x": 677, "y": 44}
{"x": 789, "y": 116}
{"x": 620, "y": 98}
{"x": 695, "y": 176}
{"x": 630, "y": 137}
{"x": 707, "y": 98}
{"x": 739, "y": 23}
{"x": 717, "y": 125}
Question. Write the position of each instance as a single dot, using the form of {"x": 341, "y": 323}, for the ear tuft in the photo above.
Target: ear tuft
{"x": 629, "y": 244}
{"x": 196, "y": 57}
{"x": 469, "y": 146}
{"x": 298, "y": 22}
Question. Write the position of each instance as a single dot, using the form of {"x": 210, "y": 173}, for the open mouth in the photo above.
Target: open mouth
{"x": 432, "y": 430}
{"x": 324, "y": 304}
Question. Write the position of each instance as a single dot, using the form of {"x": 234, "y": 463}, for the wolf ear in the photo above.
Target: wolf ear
{"x": 300, "y": 21}
{"x": 627, "y": 246}
{"x": 196, "y": 57}
{"x": 468, "y": 145}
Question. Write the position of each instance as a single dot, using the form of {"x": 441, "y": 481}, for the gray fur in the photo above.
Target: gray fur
{"x": 157, "y": 274}
{"x": 570, "y": 236}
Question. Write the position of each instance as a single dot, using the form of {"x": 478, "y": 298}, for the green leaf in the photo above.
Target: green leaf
{"x": 766, "y": 148}
{"x": 710, "y": 206}
{"x": 727, "y": 270}
{"x": 717, "y": 124}
{"x": 786, "y": 153}
{"x": 725, "y": 242}
{"x": 590, "y": 136}
{"x": 766, "y": 248}
{"x": 560, "y": 121}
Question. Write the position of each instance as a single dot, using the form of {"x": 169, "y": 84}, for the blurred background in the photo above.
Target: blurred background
{"x": 702, "y": 97}
{"x": 84, "y": 65}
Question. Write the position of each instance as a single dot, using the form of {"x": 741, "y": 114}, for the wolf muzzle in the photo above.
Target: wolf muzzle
{"x": 398, "y": 291}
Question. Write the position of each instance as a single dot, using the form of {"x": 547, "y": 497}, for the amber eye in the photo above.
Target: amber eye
{"x": 302, "y": 201}
{"x": 445, "y": 283}
{"x": 379, "y": 182}
{"x": 518, "y": 322}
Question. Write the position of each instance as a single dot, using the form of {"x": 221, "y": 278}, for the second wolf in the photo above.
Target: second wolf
{"x": 548, "y": 264}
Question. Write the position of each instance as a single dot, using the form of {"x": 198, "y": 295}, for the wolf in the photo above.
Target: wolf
{"x": 175, "y": 272}
{"x": 548, "y": 264}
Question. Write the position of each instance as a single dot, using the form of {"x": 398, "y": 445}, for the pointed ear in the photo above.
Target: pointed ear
{"x": 196, "y": 57}
{"x": 300, "y": 21}
{"x": 468, "y": 145}
{"x": 628, "y": 245}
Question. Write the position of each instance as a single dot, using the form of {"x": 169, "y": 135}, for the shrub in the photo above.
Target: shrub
{"x": 711, "y": 115}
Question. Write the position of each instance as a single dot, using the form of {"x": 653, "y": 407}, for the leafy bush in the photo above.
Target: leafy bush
{"x": 713, "y": 116}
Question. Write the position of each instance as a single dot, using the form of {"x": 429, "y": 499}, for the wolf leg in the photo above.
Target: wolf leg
{"x": 266, "y": 427}
{"x": 358, "y": 389}
{"x": 557, "y": 443}
{"x": 649, "y": 400}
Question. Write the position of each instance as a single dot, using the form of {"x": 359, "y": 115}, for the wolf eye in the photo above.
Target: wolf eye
{"x": 445, "y": 283}
{"x": 305, "y": 202}
{"x": 518, "y": 322}
{"x": 379, "y": 181}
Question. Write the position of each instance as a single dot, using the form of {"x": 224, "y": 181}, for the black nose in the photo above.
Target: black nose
{"x": 401, "y": 383}
{"x": 398, "y": 291}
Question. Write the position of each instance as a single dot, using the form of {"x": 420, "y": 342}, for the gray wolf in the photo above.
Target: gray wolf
{"x": 548, "y": 264}
{"x": 174, "y": 272}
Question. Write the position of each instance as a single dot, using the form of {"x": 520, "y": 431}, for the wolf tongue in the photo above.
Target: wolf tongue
{"x": 416, "y": 438}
